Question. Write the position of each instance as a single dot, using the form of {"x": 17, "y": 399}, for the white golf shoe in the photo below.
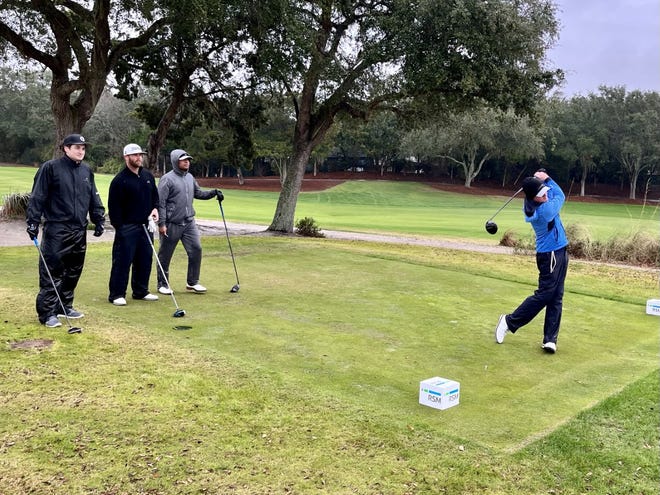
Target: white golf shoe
{"x": 501, "y": 330}
{"x": 165, "y": 290}
{"x": 549, "y": 347}
{"x": 120, "y": 301}
{"x": 197, "y": 288}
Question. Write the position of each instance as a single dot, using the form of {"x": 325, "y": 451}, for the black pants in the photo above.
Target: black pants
{"x": 550, "y": 295}
{"x": 64, "y": 250}
{"x": 131, "y": 247}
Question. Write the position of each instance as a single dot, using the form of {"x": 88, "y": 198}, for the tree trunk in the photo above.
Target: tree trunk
{"x": 583, "y": 180}
{"x": 283, "y": 220}
{"x": 64, "y": 120}
{"x": 71, "y": 117}
{"x": 157, "y": 137}
{"x": 633, "y": 183}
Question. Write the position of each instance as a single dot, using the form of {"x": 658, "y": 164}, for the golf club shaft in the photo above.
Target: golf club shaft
{"x": 153, "y": 248}
{"x": 231, "y": 251}
{"x": 52, "y": 281}
{"x": 502, "y": 207}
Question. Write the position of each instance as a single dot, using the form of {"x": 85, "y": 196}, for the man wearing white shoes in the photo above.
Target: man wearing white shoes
{"x": 132, "y": 202}
{"x": 543, "y": 202}
{"x": 176, "y": 191}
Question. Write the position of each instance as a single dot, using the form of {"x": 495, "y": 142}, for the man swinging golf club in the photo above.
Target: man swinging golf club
{"x": 176, "y": 190}
{"x": 543, "y": 202}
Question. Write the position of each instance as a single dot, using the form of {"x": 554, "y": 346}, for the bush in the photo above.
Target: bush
{"x": 307, "y": 227}
{"x": 112, "y": 166}
{"x": 640, "y": 248}
{"x": 509, "y": 239}
{"x": 580, "y": 244}
{"x": 15, "y": 205}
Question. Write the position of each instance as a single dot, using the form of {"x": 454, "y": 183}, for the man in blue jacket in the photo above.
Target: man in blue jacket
{"x": 543, "y": 202}
{"x": 64, "y": 194}
{"x": 176, "y": 190}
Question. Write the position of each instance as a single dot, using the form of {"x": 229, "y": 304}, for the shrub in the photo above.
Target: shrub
{"x": 640, "y": 248}
{"x": 307, "y": 227}
{"x": 112, "y": 166}
{"x": 646, "y": 248}
{"x": 580, "y": 244}
{"x": 509, "y": 239}
{"x": 15, "y": 205}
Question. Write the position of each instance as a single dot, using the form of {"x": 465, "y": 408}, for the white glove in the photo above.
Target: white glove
{"x": 152, "y": 225}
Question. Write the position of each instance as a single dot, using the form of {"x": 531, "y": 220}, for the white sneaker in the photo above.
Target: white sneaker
{"x": 501, "y": 330}
{"x": 197, "y": 288}
{"x": 165, "y": 290}
{"x": 549, "y": 347}
{"x": 150, "y": 297}
{"x": 120, "y": 301}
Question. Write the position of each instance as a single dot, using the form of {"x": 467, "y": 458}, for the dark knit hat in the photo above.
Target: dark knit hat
{"x": 534, "y": 187}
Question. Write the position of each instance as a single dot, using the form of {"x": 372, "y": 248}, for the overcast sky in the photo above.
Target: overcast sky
{"x": 610, "y": 42}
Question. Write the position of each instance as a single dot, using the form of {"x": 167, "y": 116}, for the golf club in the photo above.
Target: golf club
{"x": 236, "y": 287}
{"x": 72, "y": 329}
{"x": 179, "y": 312}
{"x": 491, "y": 227}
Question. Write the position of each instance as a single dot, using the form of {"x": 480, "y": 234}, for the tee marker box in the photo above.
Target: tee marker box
{"x": 653, "y": 307}
{"x": 439, "y": 393}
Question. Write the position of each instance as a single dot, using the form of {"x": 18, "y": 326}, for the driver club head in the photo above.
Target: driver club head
{"x": 491, "y": 227}
{"x": 179, "y": 313}
{"x": 235, "y": 288}
{"x": 73, "y": 330}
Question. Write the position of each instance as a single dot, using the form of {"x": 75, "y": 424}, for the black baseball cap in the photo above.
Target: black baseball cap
{"x": 74, "y": 139}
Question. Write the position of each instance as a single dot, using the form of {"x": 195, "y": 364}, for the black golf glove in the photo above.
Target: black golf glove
{"x": 219, "y": 195}
{"x": 33, "y": 231}
{"x": 99, "y": 229}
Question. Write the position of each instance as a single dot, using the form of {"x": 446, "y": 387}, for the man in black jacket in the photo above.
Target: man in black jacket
{"x": 63, "y": 193}
{"x": 132, "y": 202}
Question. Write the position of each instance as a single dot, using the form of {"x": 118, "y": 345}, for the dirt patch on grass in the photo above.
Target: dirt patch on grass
{"x": 31, "y": 344}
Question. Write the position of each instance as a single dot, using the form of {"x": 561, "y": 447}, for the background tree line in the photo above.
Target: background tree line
{"x": 265, "y": 86}
{"x": 604, "y": 138}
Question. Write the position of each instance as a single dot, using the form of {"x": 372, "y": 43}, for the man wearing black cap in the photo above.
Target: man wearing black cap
{"x": 176, "y": 191}
{"x": 64, "y": 194}
{"x": 132, "y": 204}
{"x": 543, "y": 202}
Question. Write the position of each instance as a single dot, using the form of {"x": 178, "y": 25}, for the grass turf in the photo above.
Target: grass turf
{"x": 404, "y": 208}
{"x": 307, "y": 379}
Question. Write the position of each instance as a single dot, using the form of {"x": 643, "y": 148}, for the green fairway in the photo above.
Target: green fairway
{"x": 403, "y": 208}
{"x": 307, "y": 379}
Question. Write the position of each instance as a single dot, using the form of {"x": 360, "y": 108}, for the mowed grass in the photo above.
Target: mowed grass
{"x": 306, "y": 380}
{"x": 401, "y": 208}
